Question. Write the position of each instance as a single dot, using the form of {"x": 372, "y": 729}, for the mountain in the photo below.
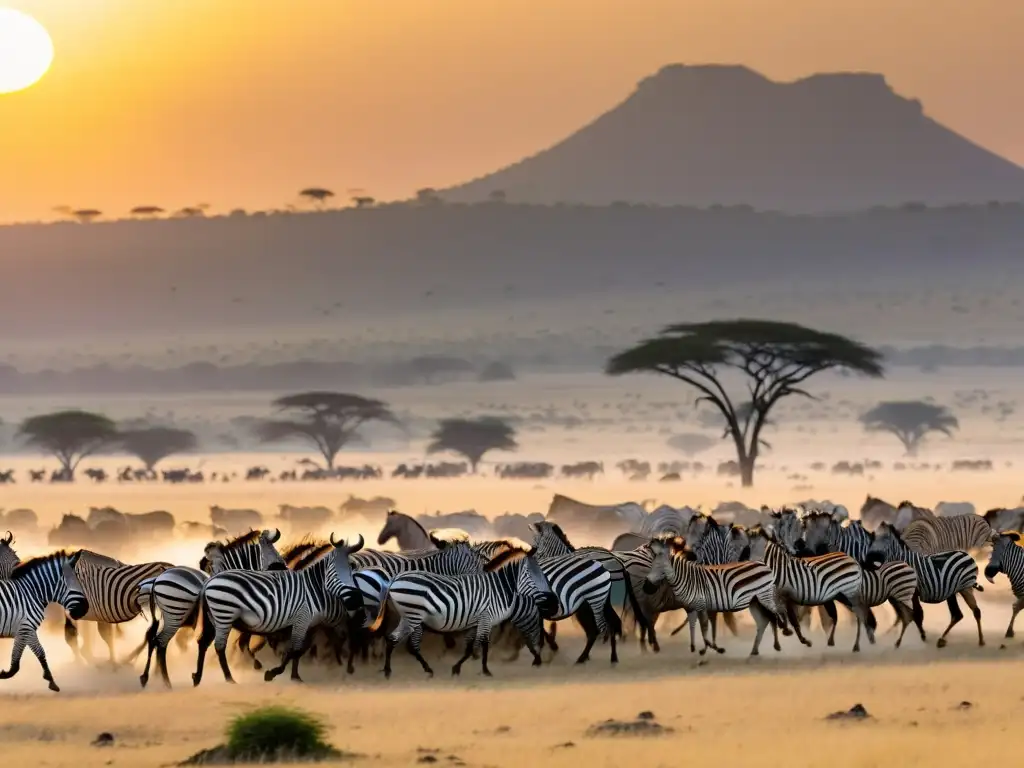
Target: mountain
{"x": 706, "y": 135}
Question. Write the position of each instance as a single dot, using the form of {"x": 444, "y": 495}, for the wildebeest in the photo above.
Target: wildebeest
{"x": 525, "y": 470}
{"x": 874, "y": 512}
{"x": 304, "y": 519}
{"x": 470, "y": 521}
{"x": 158, "y": 523}
{"x": 236, "y": 521}
{"x": 614, "y": 517}
{"x": 72, "y": 532}
{"x": 587, "y": 469}
{"x": 518, "y": 526}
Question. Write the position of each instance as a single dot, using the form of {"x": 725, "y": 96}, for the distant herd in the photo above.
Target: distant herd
{"x": 465, "y": 576}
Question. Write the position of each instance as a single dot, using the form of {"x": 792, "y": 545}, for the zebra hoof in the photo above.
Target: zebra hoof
{"x": 807, "y": 643}
{"x": 1009, "y": 634}
{"x": 719, "y": 651}
{"x": 537, "y": 662}
{"x": 777, "y": 647}
{"x": 702, "y": 651}
{"x": 269, "y": 675}
{"x": 456, "y": 671}
{"x": 257, "y": 664}
{"x": 195, "y": 679}
{"x": 54, "y": 687}
{"x": 143, "y": 680}
{"x": 831, "y": 643}
{"x": 941, "y": 643}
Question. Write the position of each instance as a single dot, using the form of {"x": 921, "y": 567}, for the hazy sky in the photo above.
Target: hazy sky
{"x": 239, "y": 103}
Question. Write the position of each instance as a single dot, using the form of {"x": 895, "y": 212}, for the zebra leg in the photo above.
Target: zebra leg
{"x": 903, "y": 615}
{"x": 955, "y": 614}
{"x": 245, "y": 646}
{"x": 483, "y": 638}
{"x": 150, "y": 640}
{"x": 37, "y": 649}
{"x": 762, "y": 619}
{"x": 972, "y": 603}
{"x": 457, "y": 666}
{"x": 551, "y": 636}
{"x": 704, "y": 619}
{"x": 1013, "y": 616}
{"x": 681, "y": 627}
{"x": 612, "y": 626}
{"x": 415, "y": 640}
{"x": 586, "y": 619}
{"x": 918, "y": 611}
{"x": 300, "y": 641}
{"x": 829, "y": 610}
{"x": 205, "y": 638}
{"x": 20, "y": 639}
{"x": 713, "y": 618}
{"x": 652, "y": 635}
{"x": 221, "y": 646}
{"x": 71, "y": 638}
{"x": 795, "y": 622}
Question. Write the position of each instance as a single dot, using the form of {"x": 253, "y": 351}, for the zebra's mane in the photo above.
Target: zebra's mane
{"x": 502, "y": 559}
{"x": 556, "y": 529}
{"x": 513, "y": 543}
{"x": 239, "y": 541}
{"x": 442, "y": 538}
{"x": 314, "y": 554}
{"x": 28, "y": 566}
{"x": 300, "y": 548}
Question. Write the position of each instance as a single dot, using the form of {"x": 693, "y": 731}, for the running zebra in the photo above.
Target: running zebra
{"x": 813, "y": 581}
{"x": 176, "y": 591}
{"x": 940, "y": 577}
{"x": 512, "y": 587}
{"x": 1008, "y": 557}
{"x": 9, "y": 559}
{"x": 703, "y": 589}
{"x": 894, "y": 582}
{"x": 112, "y": 589}
{"x": 32, "y": 586}
{"x": 266, "y": 602}
{"x": 929, "y": 535}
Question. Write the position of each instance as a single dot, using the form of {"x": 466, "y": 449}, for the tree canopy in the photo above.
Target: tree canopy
{"x": 328, "y": 420}
{"x": 775, "y": 359}
{"x": 68, "y": 435}
{"x": 317, "y": 194}
{"x": 473, "y": 438}
{"x": 691, "y": 443}
{"x": 910, "y": 421}
{"x": 151, "y": 445}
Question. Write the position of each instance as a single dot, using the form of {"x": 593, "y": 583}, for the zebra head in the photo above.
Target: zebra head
{"x": 1005, "y": 554}
{"x": 340, "y": 582}
{"x": 663, "y": 566}
{"x": 788, "y": 529}
{"x": 816, "y": 531}
{"x": 886, "y": 544}
{"x": 69, "y": 592}
{"x": 549, "y": 540}
{"x": 253, "y": 551}
{"x": 8, "y": 557}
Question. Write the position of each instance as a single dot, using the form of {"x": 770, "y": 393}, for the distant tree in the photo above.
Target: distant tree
{"x": 317, "y": 195}
{"x": 472, "y": 438}
{"x": 691, "y": 443}
{"x": 328, "y": 420}
{"x": 363, "y": 201}
{"x": 86, "y": 215}
{"x": 147, "y": 211}
{"x": 151, "y": 445}
{"x": 189, "y": 212}
{"x": 69, "y": 435}
{"x": 428, "y": 196}
{"x": 910, "y": 421}
{"x": 774, "y": 357}
{"x": 497, "y": 371}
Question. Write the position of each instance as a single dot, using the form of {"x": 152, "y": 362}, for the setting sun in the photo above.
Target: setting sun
{"x": 26, "y": 50}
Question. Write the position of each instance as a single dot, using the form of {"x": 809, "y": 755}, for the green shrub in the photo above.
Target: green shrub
{"x": 277, "y": 731}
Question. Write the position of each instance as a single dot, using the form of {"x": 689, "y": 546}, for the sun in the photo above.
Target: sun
{"x": 26, "y": 50}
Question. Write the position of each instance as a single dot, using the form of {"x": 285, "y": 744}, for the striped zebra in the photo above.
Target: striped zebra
{"x": 9, "y": 559}
{"x": 32, "y": 586}
{"x": 703, "y": 589}
{"x": 813, "y": 581}
{"x": 929, "y": 535}
{"x": 113, "y": 590}
{"x": 582, "y": 590}
{"x": 1008, "y": 557}
{"x": 715, "y": 544}
{"x": 176, "y": 591}
{"x": 512, "y": 587}
{"x": 266, "y": 602}
{"x": 893, "y": 582}
{"x": 940, "y": 577}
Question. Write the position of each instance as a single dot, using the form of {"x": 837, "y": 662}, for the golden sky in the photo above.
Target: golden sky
{"x": 240, "y": 103}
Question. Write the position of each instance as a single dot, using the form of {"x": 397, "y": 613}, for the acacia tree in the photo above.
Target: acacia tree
{"x": 328, "y": 420}
{"x": 775, "y": 359}
{"x": 472, "y": 438}
{"x": 147, "y": 211}
{"x": 151, "y": 445}
{"x": 318, "y": 195}
{"x": 68, "y": 435}
{"x": 691, "y": 443}
{"x": 910, "y": 421}
{"x": 86, "y": 215}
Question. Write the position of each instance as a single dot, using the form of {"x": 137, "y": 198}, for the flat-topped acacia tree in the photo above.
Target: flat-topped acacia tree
{"x": 775, "y": 358}
{"x": 69, "y": 435}
{"x": 328, "y": 420}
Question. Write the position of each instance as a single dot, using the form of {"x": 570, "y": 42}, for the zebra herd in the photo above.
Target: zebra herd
{"x": 357, "y": 599}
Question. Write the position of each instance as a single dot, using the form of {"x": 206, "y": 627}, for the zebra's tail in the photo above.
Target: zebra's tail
{"x": 381, "y": 610}
{"x": 729, "y": 619}
{"x": 979, "y": 587}
{"x": 145, "y": 596}
{"x": 634, "y": 606}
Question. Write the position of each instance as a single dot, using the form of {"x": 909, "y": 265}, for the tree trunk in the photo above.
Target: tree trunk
{"x": 747, "y": 471}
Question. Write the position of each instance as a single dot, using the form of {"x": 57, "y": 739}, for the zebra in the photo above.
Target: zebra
{"x": 9, "y": 559}
{"x": 112, "y": 589}
{"x": 940, "y": 577}
{"x": 266, "y": 602}
{"x": 512, "y": 586}
{"x": 550, "y": 542}
{"x": 32, "y": 586}
{"x": 813, "y": 581}
{"x": 929, "y": 535}
{"x": 715, "y": 545}
{"x": 1008, "y": 557}
{"x": 176, "y": 591}
{"x": 894, "y": 582}
{"x": 454, "y": 560}
{"x": 726, "y": 587}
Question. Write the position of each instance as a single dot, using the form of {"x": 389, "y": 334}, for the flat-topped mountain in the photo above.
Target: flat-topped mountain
{"x": 705, "y": 135}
